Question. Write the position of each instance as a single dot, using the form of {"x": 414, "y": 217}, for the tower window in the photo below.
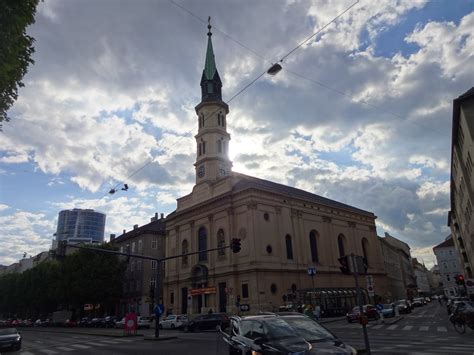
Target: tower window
{"x": 219, "y": 146}
{"x": 210, "y": 88}
{"x": 223, "y": 121}
{"x": 289, "y": 247}
{"x": 218, "y": 119}
{"x": 203, "y": 147}
{"x": 199, "y": 149}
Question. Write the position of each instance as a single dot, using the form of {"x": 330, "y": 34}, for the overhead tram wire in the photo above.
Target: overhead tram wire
{"x": 342, "y": 93}
{"x": 269, "y": 71}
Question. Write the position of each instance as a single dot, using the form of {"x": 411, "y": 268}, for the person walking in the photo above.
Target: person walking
{"x": 317, "y": 312}
{"x": 308, "y": 311}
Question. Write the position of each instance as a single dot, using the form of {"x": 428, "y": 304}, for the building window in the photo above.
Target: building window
{"x": 139, "y": 265}
{"x": 445, "y": 265}
{"x": 203, "y": 147}
{"x": 340, "y": 243}
{"x": 219, "y": 146}
{"x": 138, "y": 286}
{"x": 313, "y": 243}
{"x": 269, "y": 249}
{"x": 219, "y": 119}
{"x": 132, "y": 265}
{"x": 172, "y": 297}
{"x": 225, "y": 147}
{"x": 289, "y": 247}
{"x": 460, "y": 137}
{"x": 220, "y": 242}
{"x": 133, "y": 247}
{"x": 121, "y": 249}
{"x": 140, "y": 245}
{"x": 469, "y": 272}
{"x": 184, "y": 250}
{"x": 365, "y": 247}
{"x": 469, "y": 164}
{"x": 273, "y": 288}
{"x": 199, "y": 149}
{"x": 454, "y": 264}
{"x": 154, "y": 263}
{"x": 245, "y": 291}
{"x": 266, "y": 216}
{"x": 152, "y": 282}
{"x": 202, "y": 244}
{"x": 154, "y": 243}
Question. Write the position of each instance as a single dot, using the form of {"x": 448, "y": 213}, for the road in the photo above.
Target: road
{"x": 425, "y": 331}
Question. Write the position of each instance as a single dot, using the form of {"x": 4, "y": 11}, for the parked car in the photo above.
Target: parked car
{"x": 42, "y": 323}
{"x": 262, "y": 334}
{"x": 321, "y": 339}
{"x": 85, "y": 322}
{"x": 368, "y": 310}
{"x": 403, "y": 306}
{"x": 120, "y": 323}
{"x": 427, "y": 299}
{"x": 459, "y": 301}
{"x": 10, "y": 338}
{"x": 418, "y": 302}
{"x": 97, "y": 323}
{"x": 173, "y": 321}
{"x": 110, "y": 321}
{"x": 143, "y": 322}
{"x": 70, "y": 323}
{"x": 205, "y": 322}
{"x": 388, "y": 310}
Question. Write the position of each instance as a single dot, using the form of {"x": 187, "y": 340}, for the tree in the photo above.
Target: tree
{"x": 16, "y": 49}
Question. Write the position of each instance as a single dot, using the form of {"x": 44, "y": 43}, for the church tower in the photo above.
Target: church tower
{"x": 212, "y": 139}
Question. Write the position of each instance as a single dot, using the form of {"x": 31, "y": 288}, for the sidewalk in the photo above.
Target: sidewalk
{"x": 105, "y": 332}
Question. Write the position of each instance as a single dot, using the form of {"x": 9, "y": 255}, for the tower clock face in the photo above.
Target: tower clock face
{"x": 222, "y": 171}
{"x": 201, "y": 171}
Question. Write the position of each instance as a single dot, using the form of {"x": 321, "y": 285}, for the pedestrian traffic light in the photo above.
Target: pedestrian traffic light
{"x": 460, "y": 280}
{"x": 345, "y": 268}
{"x": 235, "y": 246}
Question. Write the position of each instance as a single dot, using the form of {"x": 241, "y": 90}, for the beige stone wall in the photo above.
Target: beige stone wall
{"x": 243, "y": 215}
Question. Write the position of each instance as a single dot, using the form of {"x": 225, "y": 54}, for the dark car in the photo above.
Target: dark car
{"x": 85, "y": 322}
{"x": 368, "y": 310}
{"x": 205, "y": 322}
{"x": 110, "y": 321}
{"x": 10, "y": 339}
{"x": 403, "y": 306}
{"x": 419, "y": 302}
{"x": 97, "y": 323}
{"x": 263, "y": 334}
{"x": 321, "y": 339}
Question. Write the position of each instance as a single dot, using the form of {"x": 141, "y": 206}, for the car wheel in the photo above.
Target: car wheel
{"x": 186, "y": 328}
{"x": 172, "y": 326}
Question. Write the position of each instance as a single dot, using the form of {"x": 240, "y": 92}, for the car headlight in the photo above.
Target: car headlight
{"x": 18, "y": 338}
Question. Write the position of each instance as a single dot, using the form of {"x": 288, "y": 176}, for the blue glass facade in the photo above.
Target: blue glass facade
{"x": 78, "y": 225}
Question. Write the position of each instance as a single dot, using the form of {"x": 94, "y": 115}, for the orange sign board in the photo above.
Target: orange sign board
{"x": 202, "y": 291}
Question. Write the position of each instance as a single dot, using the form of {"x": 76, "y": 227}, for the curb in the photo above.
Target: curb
{"x": 81, "y": 333}
{"x": 332, "y": 320}
{"x": 151, "y": 338}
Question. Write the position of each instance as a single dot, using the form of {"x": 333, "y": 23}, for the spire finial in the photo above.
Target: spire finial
{"x": 209, "y": 26}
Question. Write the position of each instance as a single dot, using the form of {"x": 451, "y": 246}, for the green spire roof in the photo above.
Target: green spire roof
{"x": 210, "y": 66}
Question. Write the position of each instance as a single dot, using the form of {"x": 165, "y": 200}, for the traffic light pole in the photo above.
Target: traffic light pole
{"x": 157, "y": 298}
{"x": 359, "y": 300}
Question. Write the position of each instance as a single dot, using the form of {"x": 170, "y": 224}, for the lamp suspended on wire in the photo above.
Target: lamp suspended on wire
{"x": 274, "y": 69}
{"x": 112, "y": 191}
{"x": 125, "y": 187}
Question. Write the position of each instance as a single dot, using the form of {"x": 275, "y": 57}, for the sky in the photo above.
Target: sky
{"x": 361, "y": 113}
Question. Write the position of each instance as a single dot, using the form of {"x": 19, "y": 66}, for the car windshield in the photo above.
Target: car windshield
{"x": 387, "y": 306}
{"x": 309, "y": 329}
{"x": 170, "y": 317}
{"x": 279, "y": 329}
{"x": 8, "y": 331}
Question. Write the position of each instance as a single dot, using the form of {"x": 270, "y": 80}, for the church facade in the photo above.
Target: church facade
{"x": 283, "y": 231}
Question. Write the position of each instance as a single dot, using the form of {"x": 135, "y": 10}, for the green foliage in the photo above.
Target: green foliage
{"x": 82, "y": 277}
{"x": 16, "y": 49}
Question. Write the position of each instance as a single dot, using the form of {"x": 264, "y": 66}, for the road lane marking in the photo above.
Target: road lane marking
{"x": 79, "y": 346}
{"x": 26, "y": 353}
{"x": 378, "y": 326}
{"x": 392, "y": 327}
{"x": 48, "y": 351}
{"x": 424, "y": 328}
{"x": 95, "y": 344}
{"x": 442, "y": 329}
{"x": 407, "y": 327}
{"x": 63, "y": 348}
{"x": 110, "y": 341}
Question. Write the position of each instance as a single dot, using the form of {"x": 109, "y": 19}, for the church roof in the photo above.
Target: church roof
{"x": 210, "y": 65}
{"x": 248, "y": 182}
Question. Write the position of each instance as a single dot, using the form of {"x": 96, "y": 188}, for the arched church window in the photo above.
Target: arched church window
{"x": 223, "y": 121}
{"x": 313, "y": 243}
{"x": 219, "y": 119}
{"x": 340, "y": 243}
{"x": 210, "y": 89}
{"x": 219, "y": 146}
{"x": 199, "y": 149}
{"x": 220, "y": 242}
{"x": 202, "y": 244}
{"x": 289, "y": 247}
{"x": 184, "y": 250}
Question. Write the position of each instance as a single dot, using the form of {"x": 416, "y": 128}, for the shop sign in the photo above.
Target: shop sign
{"x": 202, "y": 291}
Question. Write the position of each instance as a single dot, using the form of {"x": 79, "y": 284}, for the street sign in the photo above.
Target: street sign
{"x": 159, "y": 310}
{"x": 311, "y": 271}
{"x": 370, "y": 291}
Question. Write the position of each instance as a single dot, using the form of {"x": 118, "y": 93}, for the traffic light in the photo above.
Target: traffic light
{"x": 460, "y": 280}
{"x": 235, "y": 246}
{"x": 345, "y": 268}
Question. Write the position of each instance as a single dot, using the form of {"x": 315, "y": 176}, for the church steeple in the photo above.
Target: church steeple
{"x": 211, "y": 83}
{"x": 212, "y": 140}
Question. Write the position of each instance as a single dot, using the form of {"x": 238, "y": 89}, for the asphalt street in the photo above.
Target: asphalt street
{"x": 426, "y": 331}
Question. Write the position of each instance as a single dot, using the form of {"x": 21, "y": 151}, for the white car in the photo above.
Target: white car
{"x": 143, "y": 322}
{"x": 173, "y": 321}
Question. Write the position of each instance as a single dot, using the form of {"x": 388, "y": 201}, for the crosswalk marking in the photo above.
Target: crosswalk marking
{"x": 124, "y": 340}
{"x": 26, "y": 353}
{"x": 95, "y": 344}
{"x": 442, "y": 329}
{"x": 110, "y": 342}
{"x": 392, "y": 327}
{"x": 424, "y": 328}
{"x": 48, "y": 351}
{"x": 79, "y": 346}
{"x": 378, "y": 326}
{"x": 407, "y": 327}
{"x": 63, "y": 348}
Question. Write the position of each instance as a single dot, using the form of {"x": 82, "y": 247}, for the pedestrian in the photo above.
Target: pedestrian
{"x": 317, "y": 312}
{"x": 308, "y": 311}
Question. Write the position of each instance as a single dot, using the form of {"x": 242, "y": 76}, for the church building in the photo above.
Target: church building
{"x": 283, "y": 231}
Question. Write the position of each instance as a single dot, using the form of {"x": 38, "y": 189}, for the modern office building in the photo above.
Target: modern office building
{"x": 80, "y": 226}
{"x": 461, "y": 216}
